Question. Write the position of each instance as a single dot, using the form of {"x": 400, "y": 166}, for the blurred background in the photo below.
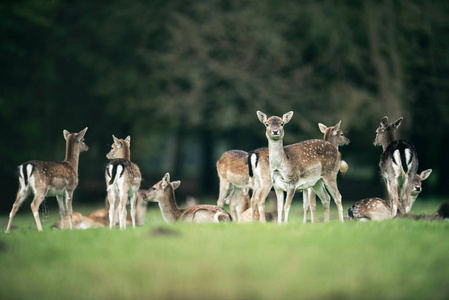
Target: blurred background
{"x": 184, "y": 78}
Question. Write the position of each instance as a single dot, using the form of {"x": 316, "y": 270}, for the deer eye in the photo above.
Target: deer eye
{"x": 282, "y": 124}
{"x": 266, "y": 125}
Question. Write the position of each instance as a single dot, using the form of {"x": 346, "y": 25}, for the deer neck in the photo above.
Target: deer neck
{"x": 72, "y": 154}
{"x": 169, "y": 209}
{"x": 277, "y": 155}
{"x": 387, "y": 139}
{"x": 126, "y": 154}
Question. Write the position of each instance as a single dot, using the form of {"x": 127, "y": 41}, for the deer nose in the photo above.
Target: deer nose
{"x": 418, "y": 188}
{"x": 275, "y": 132}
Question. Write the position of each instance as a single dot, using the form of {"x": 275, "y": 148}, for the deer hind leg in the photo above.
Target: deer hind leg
{"x": 305, "y": 204}
{"x": 394, "y": 198}
{"x": 224, "y": 188}
{"x": 331, "y": 185}
{"x": 111, "y": 198}
{"x": 320, "y": 190}
{"x": 68, "y": 206}
{"x": 312, "y": 204}
{"x": 62, "y": 209}
{"x": 260, "y": 200}
{"x": 234, "y": 201}
{"x": 133, "y": 202}
{"x": 38, "y": 198}
{"x": 22, "y": 194}
{"x": 122, "y": 208}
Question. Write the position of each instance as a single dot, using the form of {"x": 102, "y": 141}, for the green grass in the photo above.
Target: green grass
{"x": 395, "y": 259}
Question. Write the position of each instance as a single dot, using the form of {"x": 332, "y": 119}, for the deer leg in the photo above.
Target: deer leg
{"x": 111, "y": 197}
{"x": 305, "y": 204}
{"x": 331, "y": 186}
{"x": 22, "y": 194}
{"x": 224, "y": 188}
{"x": 312, "y": 203}
{"x": 122, "y": 209}
{"x": 320, "y": 190}
{"x": 234, "y": 201}
{"x": 280, "y": 203}
{"x": 262, "y": 196}
{"x": 288, "y": 203}
{"x": 394, "y": 199}
{"x": 68, "y": 206}
{"x": 38, "y": 198}
{"x": 133, "y": 202}
{"x": 62, "y": 209}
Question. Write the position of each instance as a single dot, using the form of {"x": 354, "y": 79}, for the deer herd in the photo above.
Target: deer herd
{"x": 311, "y": 166}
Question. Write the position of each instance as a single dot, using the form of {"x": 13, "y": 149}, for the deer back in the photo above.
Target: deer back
{"x": 259, "y": 165}
{"x": 232, "y": 167}
{"x": 205, "y": 214}
{"x": 123, "y": 172}
{"x": 371, "y": 209}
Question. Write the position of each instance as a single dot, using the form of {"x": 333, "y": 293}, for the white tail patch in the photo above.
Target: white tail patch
{"x": 408, "y": 158}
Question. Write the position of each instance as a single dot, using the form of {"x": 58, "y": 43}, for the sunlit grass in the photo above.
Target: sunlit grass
{"x": 396, "y": 259}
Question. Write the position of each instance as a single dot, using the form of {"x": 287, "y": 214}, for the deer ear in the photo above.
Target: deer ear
{"x": 337, "y": 126}
{"x": 322, "y": 127}
{"x": 165, "y": 180}
{"x": 287, "y": 117}
{"x": 66, "y": 134}
{"x": 384, "y": 122}
{"x": 81, "y": 134}
{"x": 425, "y": 174}
{"x": 262, "y": 117}
{"x": 117, "y": 142}
{"x": 176, "y": 184}
{"x": 128, "y": 139}
{"x": 397, "y": 122}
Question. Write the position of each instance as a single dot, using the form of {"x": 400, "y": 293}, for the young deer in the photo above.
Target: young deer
{"x": 163, "y": 192}
{"x": 122, "y": 181}
{"x": 245, "y": 216}
{"x": 312, "y": 163}
{"x": 378, "y": 209}
{"x": 335, "y": 136}
{"x": 46, "y": 179}
{"x": 398, "y": 165}
{"x": 232, "y": 170}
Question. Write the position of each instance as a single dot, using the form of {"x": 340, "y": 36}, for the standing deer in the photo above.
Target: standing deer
{"x": 47, "y": 179}
{"x": 335, "y": 136}
{"x": 163, "y": 192}
{"x": 398, "y": 165}
{"x": 232, "y": 170}
{"x": 312, "y": 163}
{"x": 378, "y": 209}
{"x": 122, "y": 181}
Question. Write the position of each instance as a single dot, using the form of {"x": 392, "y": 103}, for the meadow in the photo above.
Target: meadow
{"x": 394, "y": 259}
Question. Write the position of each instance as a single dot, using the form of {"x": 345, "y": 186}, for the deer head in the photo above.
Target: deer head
{"x": 76, "y": 140}
{"x": 120, "y": 148}
{"x": 334, "y": 134}
{"x": 385, "y": 132}
{"x": 160, "y": 189}
{"x": 275, "y": 125}
{"x": 416, "y": 187}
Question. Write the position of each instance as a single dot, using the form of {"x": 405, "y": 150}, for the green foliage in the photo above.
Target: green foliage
{"x": 370, "y": 260}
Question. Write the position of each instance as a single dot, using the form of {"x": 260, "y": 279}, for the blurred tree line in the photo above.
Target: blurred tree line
{"x": 185, "y": 77}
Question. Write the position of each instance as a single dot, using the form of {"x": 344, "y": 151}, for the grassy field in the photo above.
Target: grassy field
{"x": 395, "y": 259}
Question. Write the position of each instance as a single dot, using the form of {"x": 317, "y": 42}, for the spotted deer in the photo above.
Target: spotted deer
{"x": 123, "y": 180}
{"x": 233, "y": 173}
{"x": 163, "y": 193}
{"x": 335, "y": 136}
{"x": 312, "y": 163}
{"x": 378, "y": 209}
{"x": 47, "y": 179}
{"x": 398, "y": 165}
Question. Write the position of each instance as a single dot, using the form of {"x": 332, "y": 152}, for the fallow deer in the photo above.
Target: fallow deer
{"x": 335, "y": 136}
{"x": 232, "y": 170}
{"x": 123, "y": 180}
{"x": 398, "y": 165}
{"x": 378, "y": 209}
{"x": 163, "y": 193}
{"x": 47, "y": 179}
{"x": 245, "y": 216}
{"x": 312, "y": 163}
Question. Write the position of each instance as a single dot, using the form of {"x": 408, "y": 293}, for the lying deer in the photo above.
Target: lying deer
{"x": 163, "y": 193}
{"x": 47, "y": 179}
{"x": 398, "y": 165}
{"x": 312, "y": 163}
{"x": 232, "y": 170}
{"x": 122, "y": 181}
{"x": 377, "y": 209}
{"x": 100, "y": 217}
{"x": 246, "y": 206}
{"x": 335, "y": 136}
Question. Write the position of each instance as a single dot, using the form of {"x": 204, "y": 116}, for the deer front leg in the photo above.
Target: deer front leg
{"x": 320, "y": 190}
{"x": 280, "y": 203}
{"x": 331, "y": 185}
{"x": 68, "y": 206}
{"x": 312, "y": 204}
{"x": 305, "y": 203}
{"x": 234, "y": 201}
{"x": 38, "y": 198}
{"x": 224, "y": 188}
{"x": 22, "y": 194}
{"x": 62, "y": 210}
{"x": 288, "y": 203}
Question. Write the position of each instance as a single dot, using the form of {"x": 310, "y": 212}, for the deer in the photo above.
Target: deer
{"x": 335, "y": 136}
{"x": 163, "y": 192}
{"x": 48, "y": 179}
{"x": 100, "y": 217}
{"x": 233, "y": 173}
{"x": 377, "y": 209}
{"x": 246, "y": 207}
{"x": 123, "y": 180}
{"x": 398, "y": 165}
{"x": 309, "y": 164}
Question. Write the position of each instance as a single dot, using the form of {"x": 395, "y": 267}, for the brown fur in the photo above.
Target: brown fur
{"x": 45, "y": 179}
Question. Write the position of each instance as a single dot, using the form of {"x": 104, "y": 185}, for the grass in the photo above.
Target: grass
{"x": 395, "y": 259}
